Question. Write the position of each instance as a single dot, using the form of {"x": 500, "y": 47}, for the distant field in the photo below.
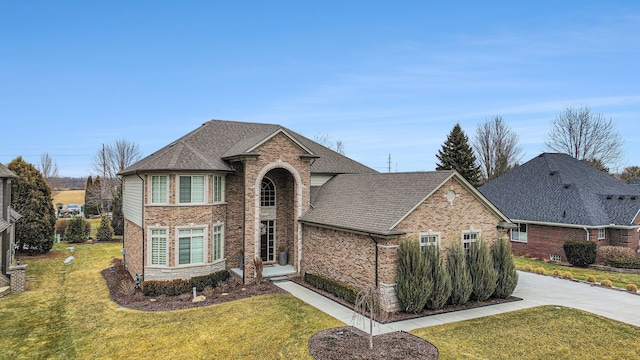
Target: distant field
{"x": 68, "y": 197}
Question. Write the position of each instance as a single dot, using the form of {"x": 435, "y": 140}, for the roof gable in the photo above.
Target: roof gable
{"x": 6, "y": 173}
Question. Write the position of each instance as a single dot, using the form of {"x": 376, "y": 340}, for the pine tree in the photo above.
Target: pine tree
{"x": 461, "y": 286}
{"x": 483, "y": 275}
{"x": 31, "y": 197}
{"x": 76, "y": 230}
{"x": 117, "y": 217}
{"x": 506, "y": 269}
{"x": 456, "y": 154}
{"x": 412, "y": 282}
{"x": 105, "y": 232}
{"x": 439, "y": 277}
{"x": 88, "y": 208}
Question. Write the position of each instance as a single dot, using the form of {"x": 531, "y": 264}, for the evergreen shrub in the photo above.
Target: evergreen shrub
{"x": 581, "y": 253}
{"x": 413, "y": 287}
{"x": 483, "y": 275}
{"x": 105, "y": 232}
{"x": 625, "y": 263}
{"x": 337, "y": 288}
{"x": 461, "y": 286}
{"x": 505, "y": 268}
{"x": 75, "y": 231}
{"x": 439, "y": 277}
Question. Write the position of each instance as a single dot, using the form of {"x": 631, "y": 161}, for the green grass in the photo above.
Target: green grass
{"x": 547, "y": 332}
{"x": 618, "y": 279}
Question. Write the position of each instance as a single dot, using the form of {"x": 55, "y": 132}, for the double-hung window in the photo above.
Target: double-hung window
{"x": 158, "y": 247}
{"x": 519, "y": 234}
{"x": 159, "y": 187}
{"x": 218, "y": 246}
{"x": 469, "y": 237}
{"x": 218, "y": 189}
{"x": 602, "y": 233}
{"x": 191, "y": 246}
{"x": 191, "y": 189}
{"x": 429, "y": 239}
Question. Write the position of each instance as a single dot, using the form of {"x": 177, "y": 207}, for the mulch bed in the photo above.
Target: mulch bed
{"x": 348, "y": 342}
{"x": 233, "y": 289}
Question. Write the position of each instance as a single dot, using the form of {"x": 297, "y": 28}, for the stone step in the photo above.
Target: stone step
{"x": 5, "y": 290}
{"x": 278, "y": 279}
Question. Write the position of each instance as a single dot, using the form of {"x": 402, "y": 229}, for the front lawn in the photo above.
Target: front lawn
{"x": 619, "y": 279}
{"x": 547, "y": 332}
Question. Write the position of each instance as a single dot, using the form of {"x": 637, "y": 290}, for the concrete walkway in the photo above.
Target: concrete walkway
{"x": 535, "y": 290}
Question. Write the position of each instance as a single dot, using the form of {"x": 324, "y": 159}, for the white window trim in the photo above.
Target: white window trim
{"x": 519, "y": 232}
{"x": 205, "y": 245}
{"x": 470, "y": 231}
{"x": 222, "y": 257}
{"x": 206, "y": 189}
{"x": 149, "y": 245}
{"x": 604, "y": 233}
{"x": 429, "y": 233}
{"x": 150, "y": 189}
{"x": 222, "y": 189}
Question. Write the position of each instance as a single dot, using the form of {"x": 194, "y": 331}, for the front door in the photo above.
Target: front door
{"x": 268, "y": 240}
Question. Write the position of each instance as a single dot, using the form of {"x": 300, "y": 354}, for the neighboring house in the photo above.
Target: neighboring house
{"x": 229, "y": 192}
{"x": 555, "y": 197}
{"x": 7, "y": 219}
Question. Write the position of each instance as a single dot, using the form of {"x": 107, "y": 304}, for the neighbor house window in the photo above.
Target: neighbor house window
{"x": 159, "y": 189}
{"x": 218, "y": 246}
{"x": 602, "y": 234}
{"x": 191, "y": 246}
{"x": 429, "y": 239}
{"x": 218, "y": 189}
{"x": 191, "y": 189}
{"x": 519, "y": 234}
{"x": 469, "y": 237}
{"x": 158, "y": 247}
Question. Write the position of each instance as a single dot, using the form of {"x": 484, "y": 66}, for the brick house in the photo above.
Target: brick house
{"x": 231, "y": 191}
{"x": 555, "y": 197}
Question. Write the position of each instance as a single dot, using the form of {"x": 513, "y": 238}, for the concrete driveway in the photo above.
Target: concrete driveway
{"x": 535, "y": 290}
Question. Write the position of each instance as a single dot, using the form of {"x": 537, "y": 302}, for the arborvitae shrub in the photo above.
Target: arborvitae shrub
{"x": 540, "y": 271}
{"x": 483, "y": 275}
{"x": 75, "y": 231}
{"x": 580, "y": 253}
{"x": 528, "y": 268}
{"x": 591, "y": 279}
{"x": 505, "y": 268}
{"x": 461, "y": 286}
{"x": 557, "y": 272}
{"x": 105, "y": 232}
{"x": 632, "y": 288}
{"x": 439, "y": 277}
{"x": 412, "y": 282}
{"x": 567, "y": 275}
{"x": 606, "y": 282}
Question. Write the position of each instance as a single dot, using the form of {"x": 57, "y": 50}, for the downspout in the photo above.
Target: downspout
{"x": 244, "y": 221}
{"x": 143, "y": 227}
{"x": 376, "y": 266}
{"x": 587, "y": 230}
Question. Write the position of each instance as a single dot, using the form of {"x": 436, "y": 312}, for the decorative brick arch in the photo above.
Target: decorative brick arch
{"x": 279, "y": 164}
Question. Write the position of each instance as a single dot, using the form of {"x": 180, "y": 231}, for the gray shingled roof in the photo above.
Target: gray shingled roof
{"x": 372, "y": 203}
{"x": 6, "y": 173}
{"x": 557, "y": 188}
{"x": 207, "y": 147}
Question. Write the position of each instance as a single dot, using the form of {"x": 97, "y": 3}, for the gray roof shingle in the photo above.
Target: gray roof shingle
{"x": 557, "y": 188}
{"x": 6, "y": 173}
{"x": 372, "y": 203}
{"x": 207, "y": 147}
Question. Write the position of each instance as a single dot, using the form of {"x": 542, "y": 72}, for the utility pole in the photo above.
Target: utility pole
{"x": 389, "y": 163}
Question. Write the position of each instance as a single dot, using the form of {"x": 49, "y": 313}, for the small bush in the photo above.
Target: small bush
{"x": 506, "y": 269}
{"x": 580, "y": 253}
{"x": 208, "y": 292}
{"x": 182, "y": 286}
{"x": 127, "y": 287}
{"x": 61, "y": 226}
{"x": 413, "y": 287}
{"x": 606, "y": 283}
{"x": 632, "y": 288}
{"x": 556, "y": 273}
{"x": 75, "y": 231}
{"x": 341, "y": 290}
{"x": 105, "y": 232}
{"x": 608, "y": 252}
{"x": 567, "y": 275}
{"x": 461, "y": 286}
{"x": 541, "y": 271}
{"x": 625, "y": 263}
{"x": 528, "y": 268}
{"x": 483, "y": 275}
{"x": 591, "y": 279}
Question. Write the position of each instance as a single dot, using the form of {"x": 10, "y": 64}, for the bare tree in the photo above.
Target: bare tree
{"x": 369, "y": 303}
{"x": 629, "y": 173}
{"x": 497, "y": 148}
{"x": 585, "y": 136}
{"x": 49, "y": 169}
{"x": 325, "y": 140}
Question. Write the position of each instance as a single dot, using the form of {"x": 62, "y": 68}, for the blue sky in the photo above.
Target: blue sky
{"x": 384, "y": 78}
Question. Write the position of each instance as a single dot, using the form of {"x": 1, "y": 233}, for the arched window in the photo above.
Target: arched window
{"x": 267, "y": 193}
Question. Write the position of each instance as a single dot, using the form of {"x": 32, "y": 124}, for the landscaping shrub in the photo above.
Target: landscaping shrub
{"x": 105, "y": 232}
{"x": 182, "y": 286}
{"x": 505, "y": 268}
{"x": 581, "y": 253}
{"x": 591, "y": 279}
{"x": 567, "y": 275}
{"x": 606, "y": 283}
{"x": 556, "y": 272}
{"x": 75, "y": 231}
{"x": 211, "y": 280}
{"x": 633, "y": 288}
{"x": 625, "y": 263}
{"x": 341, "y": 290}
{"x": 483, "y": 276}
{"x": 608, "y": 252}
{"x": 412, "y": 282}
{"x": 461, "y": 286}
{"x": 528, "y": 268}
{"x": 541, "y": 271}
{"x": 439, "y": 277}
